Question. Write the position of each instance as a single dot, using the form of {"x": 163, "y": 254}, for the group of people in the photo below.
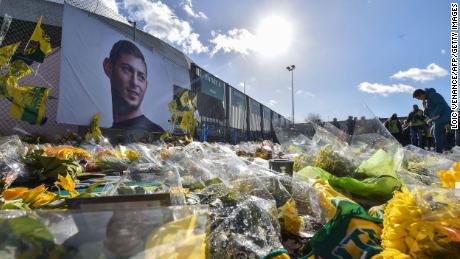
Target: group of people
{"x": 428, "y": 127}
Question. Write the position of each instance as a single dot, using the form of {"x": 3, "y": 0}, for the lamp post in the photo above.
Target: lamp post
{"x": 291, "y": 69}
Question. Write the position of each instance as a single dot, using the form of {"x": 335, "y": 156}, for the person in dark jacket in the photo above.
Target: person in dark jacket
{"x": 438, "y": 112}
{"x": 416, "y": 121}
{"x": 335, "y": 122}
{"x": 394, "y": 126}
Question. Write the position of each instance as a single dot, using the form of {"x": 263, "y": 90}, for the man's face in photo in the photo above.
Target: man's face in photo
{"x": 129, "y": 82}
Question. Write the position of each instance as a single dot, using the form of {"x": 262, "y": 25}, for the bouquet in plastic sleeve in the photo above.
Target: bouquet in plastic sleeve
{"x": 302, "y": 160}
{"x": 249, "y": 230}
{"x": 374, "y": 181}
{"x": 169, "y": 232}
{"x": 422, "y": 222}
{"x": 158, "y": 179}
{"x": 25, "y": 235}
{"x": 422, "y": 167}
{"x": 115, "y": 160}
{"x": 49, "y": 162}
{"x": 334, "y": 163}
{"x": 11, "y": 166}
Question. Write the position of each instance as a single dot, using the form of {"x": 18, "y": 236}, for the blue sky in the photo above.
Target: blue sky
{"x": 347, "y": 52}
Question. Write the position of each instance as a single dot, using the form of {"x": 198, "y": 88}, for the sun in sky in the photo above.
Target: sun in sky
{"x": 273, "y": 36}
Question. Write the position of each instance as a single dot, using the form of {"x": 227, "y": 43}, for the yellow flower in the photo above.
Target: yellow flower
{"x": 106, "y": 152}
{"x": 14, "y": 193}
{"x": 450, "y": 177}
{"x": 68, "y": 184}
{"x": 30, "y": 195}
{"x": 391, "y": 254}
{"x": 456, "y": 167}
{"x": 406, "y": 230}
{"x": 35, "y": 197}
{"x": 43, "y": 198}
{"x": 132, "y": 155}
{"x": 289, "y": 217}
{"x": 67, "y": 152}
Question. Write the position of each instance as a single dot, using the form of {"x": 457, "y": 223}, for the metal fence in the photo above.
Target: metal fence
{"x": 228, "y": 114}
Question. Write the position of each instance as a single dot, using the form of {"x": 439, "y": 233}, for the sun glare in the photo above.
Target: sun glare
{"x": 274, "y": 36}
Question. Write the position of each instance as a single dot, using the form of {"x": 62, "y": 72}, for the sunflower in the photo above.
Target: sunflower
{"x": 67, "y": 152}
{"x": 68, "y": 184}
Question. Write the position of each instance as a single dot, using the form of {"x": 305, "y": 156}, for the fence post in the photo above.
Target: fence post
{"x": 248, "y": 124}
{"x": 261, "y": 112}
{"x": 227, "y": 112}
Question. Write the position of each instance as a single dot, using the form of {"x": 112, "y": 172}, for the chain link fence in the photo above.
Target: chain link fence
{"x": 25, "y": 14}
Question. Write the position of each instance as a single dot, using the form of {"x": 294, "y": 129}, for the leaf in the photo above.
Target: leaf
{"x": 380, "y": 163}
{"x": 26, "y": 226}
{"x": 53, "y": 167}
{"x": 93, "y": 186}
{"x": 311, "y": 172}
{"x": 375, "y": 190}
{"x": 17, "y": 205}
{"x": 212, "y": 181}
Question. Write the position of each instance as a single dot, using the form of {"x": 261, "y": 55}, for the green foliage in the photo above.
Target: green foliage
{"x": 333, "y": 163}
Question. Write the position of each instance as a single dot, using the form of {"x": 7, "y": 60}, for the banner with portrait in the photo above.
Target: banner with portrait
{"x": 108, "y": 72}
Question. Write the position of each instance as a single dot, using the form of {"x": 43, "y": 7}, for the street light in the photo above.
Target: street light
{"x": 291, "y": 69}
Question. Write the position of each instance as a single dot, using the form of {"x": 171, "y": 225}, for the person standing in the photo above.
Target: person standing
{"x": 350, "y": 128}
{"x": 429, "y": 140}
{"x": 416, "y": 121}
{"x": 394, "y": 126}
{"x": 335, "y": 122}
{"x": 350, "y": 125}
{"x": 438, "y": 112}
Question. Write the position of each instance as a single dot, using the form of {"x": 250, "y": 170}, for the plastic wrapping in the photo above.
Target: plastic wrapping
{"x": 164, "y": 178}
{"x": 253, "y": 211}
{"x": 11, "y": 166}
{"x": 422, "y": 222}
{"x": 349, "y": 232}
{"x": 243, "y": 198}
{"x": 421, "y": 167}
{"x": 5, "y": 27}
{"x": 250, "y": 230}
{"x": 170, "y": 232}
{"x": 440, "y": 205}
